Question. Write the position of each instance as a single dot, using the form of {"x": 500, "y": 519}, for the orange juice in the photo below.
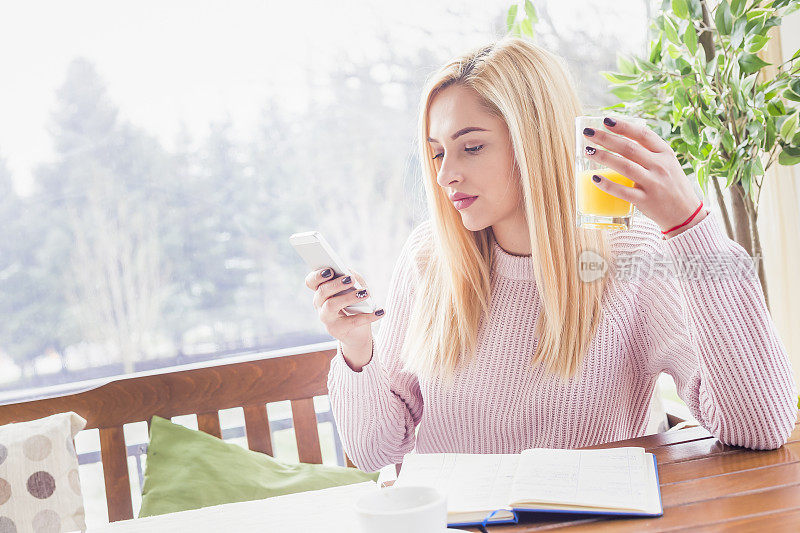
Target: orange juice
{"x": 594, "y": 201}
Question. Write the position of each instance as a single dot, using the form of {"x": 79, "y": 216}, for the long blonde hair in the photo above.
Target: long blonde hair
{"x": 531, "y": 90}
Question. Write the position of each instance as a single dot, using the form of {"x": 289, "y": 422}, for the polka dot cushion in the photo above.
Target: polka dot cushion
{"x": 40, "y": 490}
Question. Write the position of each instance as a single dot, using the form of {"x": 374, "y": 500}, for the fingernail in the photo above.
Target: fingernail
{"x": 361, "y": 293}
{"x": 588, "y": 132}
{"x": 610, "y": 122}
{"x": 379, "y": 312}
{"x": 327, "y": 273}
{"x": 590, "y": 150}
{"x": 596, "y": 178}
{"x": 346, "y": 280}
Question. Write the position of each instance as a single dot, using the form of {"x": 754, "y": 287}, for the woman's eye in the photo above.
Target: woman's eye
{"x": 473, "y": 149}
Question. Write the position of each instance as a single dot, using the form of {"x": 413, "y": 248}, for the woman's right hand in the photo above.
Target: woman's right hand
{"x": 354, "y": 332}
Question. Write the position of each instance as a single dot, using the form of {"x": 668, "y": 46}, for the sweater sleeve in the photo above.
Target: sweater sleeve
{"x": 377, "y": 409}
{"x": 707, "y": 325}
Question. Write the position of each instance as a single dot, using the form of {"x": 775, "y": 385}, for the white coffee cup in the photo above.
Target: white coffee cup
{"x": 403, "y": 509}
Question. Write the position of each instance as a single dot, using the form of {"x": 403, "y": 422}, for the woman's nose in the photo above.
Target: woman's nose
{"x": 448, "y": 174}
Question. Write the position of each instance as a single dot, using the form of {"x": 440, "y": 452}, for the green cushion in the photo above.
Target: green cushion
{"x": 188, "y": 469}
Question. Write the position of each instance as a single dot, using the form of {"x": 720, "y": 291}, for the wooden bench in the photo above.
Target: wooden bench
{"x": 250, "y": 384}
{"x": 295, "y": 375}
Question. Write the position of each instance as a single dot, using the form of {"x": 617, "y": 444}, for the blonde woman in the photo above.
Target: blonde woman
{"x": 492, "y": 342}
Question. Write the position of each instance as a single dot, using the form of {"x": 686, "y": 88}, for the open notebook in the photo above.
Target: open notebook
{"x": 490, "y": 488}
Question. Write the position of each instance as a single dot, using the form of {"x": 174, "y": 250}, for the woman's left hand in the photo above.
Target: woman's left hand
{"x": 661, "y": 190}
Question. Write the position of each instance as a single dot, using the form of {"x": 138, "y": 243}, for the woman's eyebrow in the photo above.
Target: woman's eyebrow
{"x": 459, "y": 133}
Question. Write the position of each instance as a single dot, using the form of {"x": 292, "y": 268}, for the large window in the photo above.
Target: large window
{"x": 155, "y": 157}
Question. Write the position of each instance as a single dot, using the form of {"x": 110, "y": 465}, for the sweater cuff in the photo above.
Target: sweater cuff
{"x": 706, "y": 237}
{"x": 344, "y": 378}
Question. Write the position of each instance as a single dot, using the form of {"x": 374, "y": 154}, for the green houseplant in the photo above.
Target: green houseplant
{"x": 728, "y": 114}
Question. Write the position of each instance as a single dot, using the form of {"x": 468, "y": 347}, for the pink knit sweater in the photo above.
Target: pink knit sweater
{"x": 713, "y": 334}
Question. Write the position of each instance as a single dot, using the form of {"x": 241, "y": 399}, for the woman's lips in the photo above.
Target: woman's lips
{"x": 465, "y": 203}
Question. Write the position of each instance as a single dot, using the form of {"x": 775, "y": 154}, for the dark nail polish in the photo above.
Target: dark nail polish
{"x": 361, "y": 293}
{"x": 596, "y": 178}
{"x": 327, "y": 273}
{"x": 379, "y": 312}
{"x": 591, "y": 150}
{"x": 610, "y": 122}
{"x": 588, "y": 132}
{"x": 346, "y": 280}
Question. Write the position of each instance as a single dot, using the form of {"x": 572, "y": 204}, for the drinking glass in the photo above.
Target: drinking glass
{"x": 597, "y": 209}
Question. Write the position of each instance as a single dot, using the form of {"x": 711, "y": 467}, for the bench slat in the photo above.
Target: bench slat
{"x": 305, "y": 431}
{"x": 183, "y": 392}
{"x": 256, "y": 426}
{"x": 209, "y": 423}
{"x": 115, "y": 472}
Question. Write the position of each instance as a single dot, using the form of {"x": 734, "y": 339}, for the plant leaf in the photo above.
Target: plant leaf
{"x": 680, "y": 8}
{"x": 750, "y": 63}
{"x": 733, "y": 172}
{"x": 789, "y": 127}
{"x": 776, "y": 108}
{"x": 624, "y": 92}
{"x": 757, "y": 43}
{"x": 737, "y": 7}
{"x": 702, "y": 177}
{"x": 787, "y": 160}
{"x": 680, "y": 99}
{"x": 758, "y": 167}
{"x": 617, "y": 77}
{"x": 526, "y": 27}
{"x": 511, "y": 16}
{"x": 727, "y": 141}
{"x": 530, "y": 11}
{"x": 690, "y": 38}
{"x": 771, "y": 134}
{"x": 689, "y": 132}
{"x": 737, "y": 34}
{"x": 723, "y": 18}
{"x": 754, "y": 13}
{"x": 625, "y": 66}
{"x": 695, "y": 9}
{"x": 791, "y": 95}
{"x": 655, "y": 49}
{"x": 643, "y": 64}
{"x": 793, "y": 151}
{"x": 671, "y": 31}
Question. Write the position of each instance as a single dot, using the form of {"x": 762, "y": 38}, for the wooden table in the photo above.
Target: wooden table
{"x": 705, "y": 486}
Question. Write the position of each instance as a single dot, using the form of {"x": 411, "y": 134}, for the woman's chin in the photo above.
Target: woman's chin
{"x": 471, "y": 223}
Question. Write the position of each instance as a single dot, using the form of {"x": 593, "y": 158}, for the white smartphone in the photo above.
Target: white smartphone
{"x": 317, "y": 254}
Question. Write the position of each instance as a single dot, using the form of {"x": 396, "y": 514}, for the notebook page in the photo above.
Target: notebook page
{"x": 653, "y": 492}
{"x": 615, "y": 477}
{"x": 472, "y": 482}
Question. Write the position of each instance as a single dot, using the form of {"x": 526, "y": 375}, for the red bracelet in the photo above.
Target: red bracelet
{"x": 687, "y": 220}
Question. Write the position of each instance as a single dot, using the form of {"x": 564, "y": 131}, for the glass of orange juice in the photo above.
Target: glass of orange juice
{"x": 597, "y": 209}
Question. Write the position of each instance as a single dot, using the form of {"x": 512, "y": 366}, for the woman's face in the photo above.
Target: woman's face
{"x": 474, "y": 156}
